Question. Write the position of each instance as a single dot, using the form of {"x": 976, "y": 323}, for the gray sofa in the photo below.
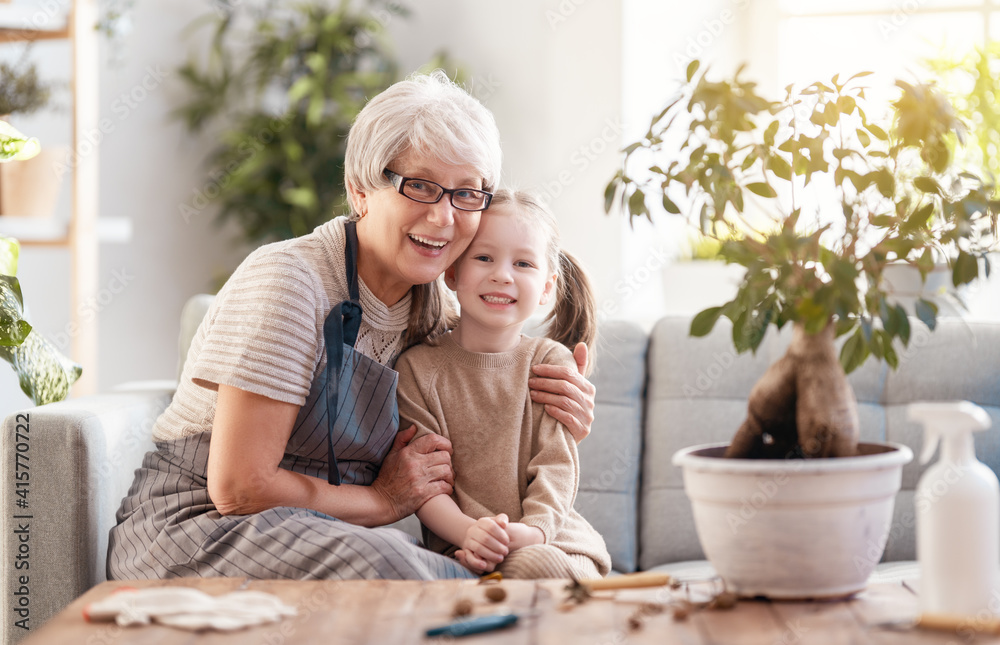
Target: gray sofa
{"x": 657, "y": 392}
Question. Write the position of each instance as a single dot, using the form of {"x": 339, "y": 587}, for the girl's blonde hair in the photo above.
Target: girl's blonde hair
{"x": 573, "y": 318}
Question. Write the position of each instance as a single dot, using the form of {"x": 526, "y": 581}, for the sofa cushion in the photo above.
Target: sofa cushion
{"x": 610, "y": 458}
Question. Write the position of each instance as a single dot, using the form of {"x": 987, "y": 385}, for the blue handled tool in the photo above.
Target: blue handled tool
{"x": 475, "y": 625}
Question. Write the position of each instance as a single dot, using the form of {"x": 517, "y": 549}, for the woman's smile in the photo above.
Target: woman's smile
{"x": 428, "y": 245}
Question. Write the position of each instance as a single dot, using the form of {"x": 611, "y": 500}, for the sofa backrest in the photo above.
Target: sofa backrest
{"x": 611, "y": 457}
{"x": 697, "y": 393}
{"x": 191, "y": 316}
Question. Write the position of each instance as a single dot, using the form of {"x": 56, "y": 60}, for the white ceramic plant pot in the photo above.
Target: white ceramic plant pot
{"x": 793, "y": 528}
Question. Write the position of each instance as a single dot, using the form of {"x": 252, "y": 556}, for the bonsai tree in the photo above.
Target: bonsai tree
{"x": 286, "y": 91}
{"x": 814, "y": 194}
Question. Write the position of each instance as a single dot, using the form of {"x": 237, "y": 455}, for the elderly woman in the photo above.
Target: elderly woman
{"x": 279, "y": 453}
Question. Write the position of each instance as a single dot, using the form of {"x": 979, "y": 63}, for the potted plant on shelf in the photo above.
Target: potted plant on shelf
{"x": 31, "y": 187}
{"x": 837, "y": 189}
{"x": 45, "y": 375}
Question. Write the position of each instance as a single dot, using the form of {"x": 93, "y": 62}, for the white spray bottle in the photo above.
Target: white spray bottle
{"x": 958, "y": 513}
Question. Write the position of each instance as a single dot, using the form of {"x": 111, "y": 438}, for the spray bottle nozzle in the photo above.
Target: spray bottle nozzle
{"x": 951, "y": 416}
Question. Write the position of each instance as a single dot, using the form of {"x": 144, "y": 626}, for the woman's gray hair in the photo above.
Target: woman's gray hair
{"x": 427, "y": 113}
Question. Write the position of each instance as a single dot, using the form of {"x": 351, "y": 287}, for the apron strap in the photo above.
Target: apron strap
{"x": 340, "y": 328}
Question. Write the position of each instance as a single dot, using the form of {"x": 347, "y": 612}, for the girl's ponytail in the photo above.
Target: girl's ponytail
{"x": 573, "y": 318}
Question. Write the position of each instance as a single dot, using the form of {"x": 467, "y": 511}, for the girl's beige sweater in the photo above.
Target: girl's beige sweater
{"x": 509, "y": 455}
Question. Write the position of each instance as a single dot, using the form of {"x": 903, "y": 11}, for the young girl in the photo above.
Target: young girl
{"x": 516, "y": 468}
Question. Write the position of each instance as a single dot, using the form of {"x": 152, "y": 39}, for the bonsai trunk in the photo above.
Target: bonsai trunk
{"x": 802, "y": 406}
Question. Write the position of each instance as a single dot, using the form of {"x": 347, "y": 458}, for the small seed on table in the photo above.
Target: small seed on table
{"x": 463, "y": 607}
{"x": 496, "y": 594}
{"x": 725, "y": 600}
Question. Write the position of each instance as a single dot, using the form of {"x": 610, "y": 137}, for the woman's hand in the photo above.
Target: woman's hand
{"x": 249, "y": 436}
{"x": 414, "y": 471}
{"x": 567, "y": 395}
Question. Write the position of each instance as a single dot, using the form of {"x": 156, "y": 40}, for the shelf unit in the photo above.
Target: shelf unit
{"x": 81, "y": 235}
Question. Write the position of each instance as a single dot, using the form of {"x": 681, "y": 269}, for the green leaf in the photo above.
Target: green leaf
{"x": 314, "y": 113}
{"x": 770, "y": 132}
{"x": 692, "y": 68}
{"x": 927, "y": 313}
{"x": 965, "y": 270}
{"x": 877, "y": 131}
{"x": 885, "y": 182}
{"x": 704, "y": 321}
{"x": 925, "y": 263}
{"x": 300, "y": 88}
{"x": 927, "y": 185}
{"x": 854, "y": 352}
{"x": 780, "y": 167}
{"x": 637, "y": 203}
{"x": 831, "y": 114}
{"x": 917, "y": 220}
{"x": 609, "y": 195}
{"x": 889, "y": 352}
{"x": 13, "y": 328}
{"x": 670, "y": 206}
{"x": 864, "y": 138}
{"x": 846, "y": 104}
{"x": 9, "y": 252}
{"x": 903, "y": 324}
{"x": 632, "y": 147}
{"x": 762, "y": 189}
{"x": 302, "y": 197}
{"x": 15, "y": 146}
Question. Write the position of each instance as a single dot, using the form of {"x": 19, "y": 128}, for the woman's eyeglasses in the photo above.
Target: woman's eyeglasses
{"x": 429, "y": 192}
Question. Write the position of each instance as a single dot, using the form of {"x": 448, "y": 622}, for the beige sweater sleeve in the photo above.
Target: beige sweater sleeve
{"x": 554, "y": 469}
{"x": 414, "y": 407}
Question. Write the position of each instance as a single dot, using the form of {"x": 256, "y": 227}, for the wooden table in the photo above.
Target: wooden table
{"x": 399, "y": 612}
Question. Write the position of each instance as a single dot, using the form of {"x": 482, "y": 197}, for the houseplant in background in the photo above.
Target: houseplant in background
{"x": 31, "y": 187}
{"x": 284, "y": 85}
{"x": 969, "y": 80}
{"x": 838, "y": 189}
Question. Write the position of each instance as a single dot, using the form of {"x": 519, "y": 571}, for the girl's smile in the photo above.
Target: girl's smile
{"x": 501, "y": 280}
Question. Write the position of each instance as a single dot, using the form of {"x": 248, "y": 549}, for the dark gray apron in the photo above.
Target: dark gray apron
{"x": 358, "y": 394}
